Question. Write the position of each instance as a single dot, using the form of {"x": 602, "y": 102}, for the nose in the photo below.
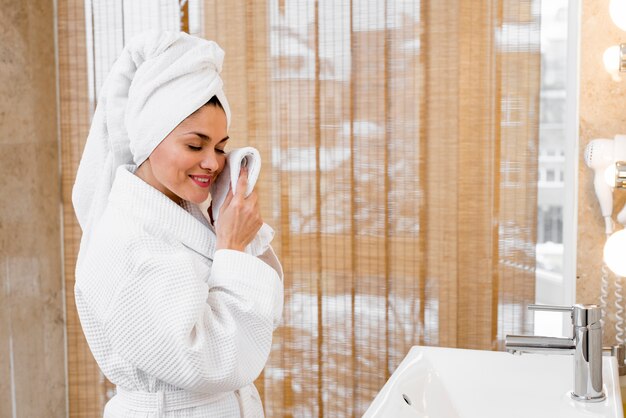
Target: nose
{"x": 210, "y": 161}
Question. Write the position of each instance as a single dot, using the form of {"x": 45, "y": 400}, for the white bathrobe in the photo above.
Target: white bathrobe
{"x": 168, "y": 316}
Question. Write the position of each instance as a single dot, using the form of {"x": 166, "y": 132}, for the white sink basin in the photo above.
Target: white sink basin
{"x": 455, "y": 383}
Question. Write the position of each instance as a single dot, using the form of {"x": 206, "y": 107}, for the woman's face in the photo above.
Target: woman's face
{"x": 188, "y": 160}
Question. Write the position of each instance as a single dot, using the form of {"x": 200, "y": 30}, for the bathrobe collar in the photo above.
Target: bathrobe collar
{"x": 159, "y": 214}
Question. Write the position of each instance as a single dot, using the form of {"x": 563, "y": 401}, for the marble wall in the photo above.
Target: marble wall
{"x": 602, "y": 115}
{"x": 32, "y": 343}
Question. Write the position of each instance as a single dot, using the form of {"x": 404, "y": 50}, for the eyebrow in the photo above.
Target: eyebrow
{"x": 206, "y": 137}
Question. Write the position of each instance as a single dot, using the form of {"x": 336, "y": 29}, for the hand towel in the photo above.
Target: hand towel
{"x": 159, "y": 79}
{"x": 247, "y": 157}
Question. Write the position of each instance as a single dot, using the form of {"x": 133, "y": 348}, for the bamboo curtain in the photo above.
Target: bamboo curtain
{"x": 399, "y": 146}
{"x": 86, "y": 388}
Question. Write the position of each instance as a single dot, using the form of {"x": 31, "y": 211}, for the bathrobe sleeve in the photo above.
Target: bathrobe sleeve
{"x": 211, "y": 335}
{"x": 270, "y": 258}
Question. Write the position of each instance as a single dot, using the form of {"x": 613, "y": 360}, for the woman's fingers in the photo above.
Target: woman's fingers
{"x": 229, "y": 197}
{"x": 240, "y": 218}
{"x": 242, "y": 183}
{"x": 242, "y": 186}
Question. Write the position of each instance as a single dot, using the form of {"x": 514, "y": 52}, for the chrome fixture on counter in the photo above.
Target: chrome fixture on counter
{"x": 586, "y": 345}
{"x": 619, "y": 352}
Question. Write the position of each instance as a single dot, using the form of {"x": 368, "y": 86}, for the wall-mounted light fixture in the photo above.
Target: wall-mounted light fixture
{"x": 614, "y": 59}
{"x": 617, "y": 10}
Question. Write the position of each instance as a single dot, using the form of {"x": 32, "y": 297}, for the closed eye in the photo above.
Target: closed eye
{"x": 194, "y": 148}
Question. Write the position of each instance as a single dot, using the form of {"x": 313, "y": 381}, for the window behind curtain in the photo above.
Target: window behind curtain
{"x": 399, "y": 147}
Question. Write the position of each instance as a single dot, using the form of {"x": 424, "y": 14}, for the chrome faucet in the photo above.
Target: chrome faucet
{"x": 586, "y": 345}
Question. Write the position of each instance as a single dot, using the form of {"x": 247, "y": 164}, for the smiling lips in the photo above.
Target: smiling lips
{"x": 201, "y": 180}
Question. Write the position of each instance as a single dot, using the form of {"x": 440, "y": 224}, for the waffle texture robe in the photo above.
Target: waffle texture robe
{"x": 164, "y": 312}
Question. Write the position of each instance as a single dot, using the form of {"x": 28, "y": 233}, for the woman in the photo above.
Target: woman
{"x": 175, "y": 313}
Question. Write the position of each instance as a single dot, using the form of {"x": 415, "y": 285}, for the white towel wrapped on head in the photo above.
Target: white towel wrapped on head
{"x": 159, "y": 80}
{"x": 240, "y": 157}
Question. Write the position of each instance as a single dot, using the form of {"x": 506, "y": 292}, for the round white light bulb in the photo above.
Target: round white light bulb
{"x": 617, "y": 10}
{"x": 615, "y": 253}
{"x": 611, "y": 61}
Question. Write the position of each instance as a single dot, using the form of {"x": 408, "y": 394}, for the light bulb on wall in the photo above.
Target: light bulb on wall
{"x": 614, "y": 250}
{"x": 611, "y": 60}
{"x": 617, "y": 10}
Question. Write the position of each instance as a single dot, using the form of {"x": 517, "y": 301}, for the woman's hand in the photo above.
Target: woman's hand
{"x": 240, "y": 218}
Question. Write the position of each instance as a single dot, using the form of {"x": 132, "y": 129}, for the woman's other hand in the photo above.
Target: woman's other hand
{"x": 240, "y": 217}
